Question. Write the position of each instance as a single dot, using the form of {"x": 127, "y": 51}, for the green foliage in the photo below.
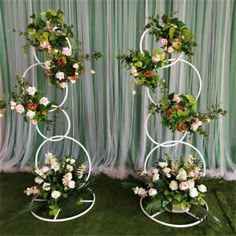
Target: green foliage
{"x": 144, "y": 67}
{"x": 56, "y": 181}
{"x": 179, "y": 113}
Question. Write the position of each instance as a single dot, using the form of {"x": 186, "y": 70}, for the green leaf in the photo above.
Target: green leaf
{"x": 171, "y": 32}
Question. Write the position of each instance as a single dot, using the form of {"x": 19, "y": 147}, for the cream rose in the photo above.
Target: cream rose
{"x": 173, "y": 185}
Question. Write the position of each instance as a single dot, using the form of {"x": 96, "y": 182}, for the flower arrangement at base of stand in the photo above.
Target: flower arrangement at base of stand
{"x": 30, "y": 102}
{"x": 172, "y": 185}
{"x": 173, "y": 36}
{"x": 55, "y": 182}
{"x": 178, "y": 113}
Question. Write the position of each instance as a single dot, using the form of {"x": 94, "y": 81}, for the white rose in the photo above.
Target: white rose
{"x": 46, "y": 186}
{"x": 182, "y": 175}
{"x": 13, "y": 105}
{"x": 173, "y": 185}
{"x": 202, "y": 188}
{"x": 31, "y": 90}
{"x": 72, "y": 161}
{"x": 156, "y": 58}
{"x": 69, "y": 168}
{"x": 63, "y": 85}
{"x": 183, "y": 186}
{"x": 48, "y": 158}
{"x": 155, "y": 177}
{"x": 60, "y": 75}
{"x": 193, "y": 192}
{"x": 66, "y": 51}
{"x": 166, "y": 170}
{"x": 191, "y": 183}
{"x": 20, "y": 109}
{"x": 55, "y": 166}
{"x": 163, "y": 164}
{"x": 30, "y": 114}
{"x": 47, "y": 64}
{"x": 39, "y": 172}
{"x": 76, "y": 66}
{"x": 55, "y": 194}
{"x": 38, "y": 180}
{"x": 152, "y": 192}
{"x": 142, "y": 192}
{"x": 168, "y": 175}
{"x": 45, "y": 169}
{"x": 71, "y": 184}
{"x": 44, "y": 101}
{"x": 133, "y": 70}
{"x": 136, "y": 190}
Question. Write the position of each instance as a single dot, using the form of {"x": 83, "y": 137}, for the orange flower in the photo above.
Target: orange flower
{"x": 181, "y": 127}
{"x": 169, "y": 112}
{"x": 180, "y": 107}
{"x": 149, "y": 74}
{"x": 61, "y": 62}
{"x": 32, "y": 106}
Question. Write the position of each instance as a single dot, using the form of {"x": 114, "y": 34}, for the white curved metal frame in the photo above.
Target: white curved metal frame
{"x": 171, "y": 143}
{"x": 57, "y": 138}
{"x": 196, "y": 219}
{"x": 56, "y": 220}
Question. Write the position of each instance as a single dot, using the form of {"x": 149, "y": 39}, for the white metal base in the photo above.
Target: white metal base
{"x": 56, "y": 220}
{"x": 196, "y": 220}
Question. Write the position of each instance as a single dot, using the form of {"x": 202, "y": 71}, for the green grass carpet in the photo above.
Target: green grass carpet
{"x": 116, "y": 211}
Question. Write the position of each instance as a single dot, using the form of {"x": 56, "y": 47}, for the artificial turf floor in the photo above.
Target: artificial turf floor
{"x": 116, "y": 211}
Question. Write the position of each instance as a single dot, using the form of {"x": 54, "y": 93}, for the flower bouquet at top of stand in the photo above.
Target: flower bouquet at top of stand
{"x": 50, "y": 34}
{"x": 179, "y": 113}
{"x": 173, "y": 185}
{"x": 47, "y": 32}
{"x": 55, "y": 182}
{"x": 174, "y": 37}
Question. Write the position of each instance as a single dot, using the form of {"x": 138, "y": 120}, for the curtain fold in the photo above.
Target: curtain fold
{"x": 105, "y": 117}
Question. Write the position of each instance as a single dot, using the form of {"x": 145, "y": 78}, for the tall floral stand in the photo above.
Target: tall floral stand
{"x": 91, "y": 200}
{"x": 171, "y": 143}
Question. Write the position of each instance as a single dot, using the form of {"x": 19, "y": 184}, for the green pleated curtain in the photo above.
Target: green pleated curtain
{"x": 105, "y": 117}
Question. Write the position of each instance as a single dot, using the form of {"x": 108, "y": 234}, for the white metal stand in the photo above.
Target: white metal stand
{"x": 91, "y": 201}
{"x": 171, "y": 143}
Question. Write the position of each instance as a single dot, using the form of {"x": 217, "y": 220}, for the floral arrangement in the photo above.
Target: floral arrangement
{"x": 178, "y": 113}
{"x": 30, "y": 102}
{"x": 143, "y": 67}
{"x": 173, "y": 34}
{"x": 62, "y": 67}
{"x": 56, "y": 181}
{"x": 47, "y": 32}
{"x": 50, "y": 34}
{"x": 172, "y": 185}
{"x": 174, "y": 37}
